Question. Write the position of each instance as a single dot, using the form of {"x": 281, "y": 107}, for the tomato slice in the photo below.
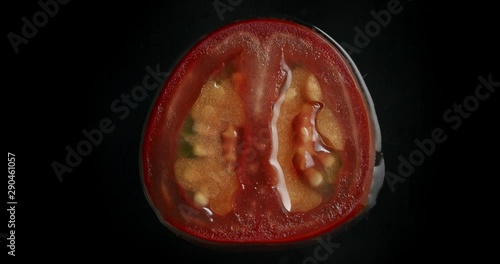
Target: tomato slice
{"x": 264, "y": 133}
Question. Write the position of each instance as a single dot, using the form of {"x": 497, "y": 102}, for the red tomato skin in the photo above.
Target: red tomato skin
{"x": 170, "y": 110}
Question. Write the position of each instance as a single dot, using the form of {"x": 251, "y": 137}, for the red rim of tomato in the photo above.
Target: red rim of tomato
{"x": 378, "y": 166}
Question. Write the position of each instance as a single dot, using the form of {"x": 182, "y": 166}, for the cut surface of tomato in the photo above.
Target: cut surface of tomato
{"x": 263, "y": 134}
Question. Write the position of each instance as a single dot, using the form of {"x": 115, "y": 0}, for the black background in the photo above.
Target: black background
{"x": 65, "y": 78}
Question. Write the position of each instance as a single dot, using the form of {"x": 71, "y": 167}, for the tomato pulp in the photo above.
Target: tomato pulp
{"x": 264, "y": 133}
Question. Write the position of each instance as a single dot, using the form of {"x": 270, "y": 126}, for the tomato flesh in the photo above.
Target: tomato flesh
{"x": 261, "y": 135}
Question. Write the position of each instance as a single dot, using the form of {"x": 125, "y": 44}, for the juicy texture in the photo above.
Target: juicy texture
{"x": 306, "y": 162}
{"x": 209, "y": 176}
{"x": 209, "y": 164}
{"x": 300, "y": 143}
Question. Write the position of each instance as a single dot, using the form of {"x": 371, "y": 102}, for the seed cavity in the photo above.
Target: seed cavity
{"x": 211, "y": 135}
